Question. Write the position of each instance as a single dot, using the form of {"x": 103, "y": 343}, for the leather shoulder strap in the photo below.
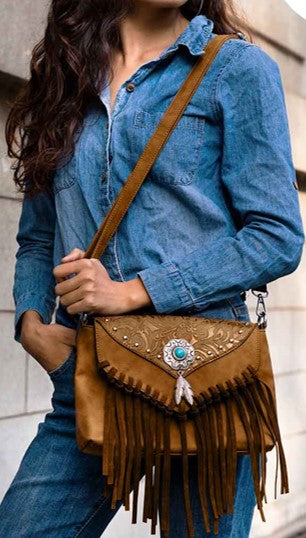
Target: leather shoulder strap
{"x": 152, "y": 149}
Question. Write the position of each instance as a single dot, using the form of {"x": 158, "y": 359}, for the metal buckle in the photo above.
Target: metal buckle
{"x": 261, "y": 310}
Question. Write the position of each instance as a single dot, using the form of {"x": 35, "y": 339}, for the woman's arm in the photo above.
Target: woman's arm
{"x": 33, "y": 280}
{"x": 34, "y": 295}
{"x": 258, "y": 177}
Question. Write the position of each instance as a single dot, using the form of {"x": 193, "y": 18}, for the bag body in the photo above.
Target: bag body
{"x": 126, "y": 409}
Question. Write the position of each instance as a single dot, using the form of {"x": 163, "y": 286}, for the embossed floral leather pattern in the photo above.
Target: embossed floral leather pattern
{"x": 223, "y": 350}
{"x": 147, "y": 335}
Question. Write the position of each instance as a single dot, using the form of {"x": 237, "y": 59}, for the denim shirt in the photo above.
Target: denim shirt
{"x": 218, "y": 213}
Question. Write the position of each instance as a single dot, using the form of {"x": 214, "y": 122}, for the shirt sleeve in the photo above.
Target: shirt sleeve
{"x": 34, "y": 282}
{"x": 258, "y": 177}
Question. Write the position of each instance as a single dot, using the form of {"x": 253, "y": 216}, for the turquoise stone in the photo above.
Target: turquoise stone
{"x": 179, "y": 353}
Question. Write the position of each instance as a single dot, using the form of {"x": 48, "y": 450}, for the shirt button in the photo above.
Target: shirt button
{"x": 103, "y": 176}
{"x": 130, "y": 87}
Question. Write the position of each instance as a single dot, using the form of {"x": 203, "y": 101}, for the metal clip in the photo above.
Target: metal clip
{"x": 83, "y": 318}
{"x": 261, "y": 311}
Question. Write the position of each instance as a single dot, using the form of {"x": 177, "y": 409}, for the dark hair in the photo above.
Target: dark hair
{"x": 66, "y": 76}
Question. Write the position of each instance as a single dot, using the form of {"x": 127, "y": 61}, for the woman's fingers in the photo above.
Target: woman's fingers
{"x": 70, "y": 267}
{"x": 67, "y": 285}
{"x": 75, "y": 254}
{"x": 72, "y": 297}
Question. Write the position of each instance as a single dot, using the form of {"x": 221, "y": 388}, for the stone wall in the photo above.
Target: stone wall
{"x": 25, "y": 390}
{"x": 282, "y": 34}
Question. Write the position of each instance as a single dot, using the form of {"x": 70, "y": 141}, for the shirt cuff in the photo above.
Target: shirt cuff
{"x": 166, "y": 288}
{"x": 32, "y": 301}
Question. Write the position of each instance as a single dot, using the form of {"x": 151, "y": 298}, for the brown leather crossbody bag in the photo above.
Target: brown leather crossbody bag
{"x": 152, "y": 387}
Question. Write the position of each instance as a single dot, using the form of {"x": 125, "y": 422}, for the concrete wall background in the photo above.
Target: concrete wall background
{"x": 25, "y": 389}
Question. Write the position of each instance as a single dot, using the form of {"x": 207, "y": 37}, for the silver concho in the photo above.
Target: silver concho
{"x": 178, "y": 354}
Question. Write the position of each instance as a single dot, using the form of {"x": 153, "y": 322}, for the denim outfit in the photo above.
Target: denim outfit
{"x": 218, "y": 214}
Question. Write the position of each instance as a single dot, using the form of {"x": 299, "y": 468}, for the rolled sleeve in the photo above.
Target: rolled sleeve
{"x": 166, "y": 287}
{"x": 32, "y": 301}
{"x": 34, "y": 282}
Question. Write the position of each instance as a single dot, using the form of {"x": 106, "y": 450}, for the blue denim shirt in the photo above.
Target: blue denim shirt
{"x": 218, "y": 213}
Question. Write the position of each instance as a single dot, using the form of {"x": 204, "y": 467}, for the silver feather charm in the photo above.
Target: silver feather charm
{"x": 179, "y": 389}
{"x": 188, "y": 392}
{"x": 183, "y": 390}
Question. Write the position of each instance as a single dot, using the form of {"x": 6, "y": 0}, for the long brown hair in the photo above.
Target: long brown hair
{"x": 66, "y": 75}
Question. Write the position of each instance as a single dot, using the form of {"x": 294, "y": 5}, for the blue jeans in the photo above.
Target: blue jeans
{"x": 57, "y": 491}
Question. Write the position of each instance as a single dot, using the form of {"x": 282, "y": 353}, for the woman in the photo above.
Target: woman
{"x": 217, "y": 215}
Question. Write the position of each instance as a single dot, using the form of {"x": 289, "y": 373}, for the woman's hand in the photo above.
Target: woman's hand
{"x": 92, "y": 289}
{"x": 50, "y": 344}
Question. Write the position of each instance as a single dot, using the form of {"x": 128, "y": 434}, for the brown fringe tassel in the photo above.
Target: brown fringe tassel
{"x": 137, "y": 460}
{"x": 166, "y": 475}
{"x": 214, "y": 455}
{"x": 210, "y": 463}
{"x": 268, "y": 405}
{"x": 221, "y": 452}
{"x": 147, "y": 416}
{"x": 137, "y": 430}
{"x": 252, "y": 446}
{"x": 130, "y": 440}
{"x": 202, "y": 470}
{"x": 120, "y": 414}
{"x": 231, "y": 449}
{"x": 259, "y": 426}
{"x": 190, "y": 529}
{"x": 157, "y": 464}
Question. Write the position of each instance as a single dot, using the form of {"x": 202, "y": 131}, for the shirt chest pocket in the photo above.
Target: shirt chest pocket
{"x": 178, "y": 161}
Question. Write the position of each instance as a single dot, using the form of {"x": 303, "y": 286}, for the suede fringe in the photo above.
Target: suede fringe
{"x": 137, "y": 433}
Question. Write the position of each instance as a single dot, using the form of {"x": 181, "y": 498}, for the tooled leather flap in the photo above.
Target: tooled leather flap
{"x": 153, "y": 349}
{"x": 147, "y": 335}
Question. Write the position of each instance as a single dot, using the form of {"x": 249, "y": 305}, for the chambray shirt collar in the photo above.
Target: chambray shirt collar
{"x": 194, "y": 37}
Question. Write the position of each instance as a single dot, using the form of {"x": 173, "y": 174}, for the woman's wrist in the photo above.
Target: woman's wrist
{"x": 136, "y": 294}
{"x": 31, "y": 316}
{"x": 30, "y": 320}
